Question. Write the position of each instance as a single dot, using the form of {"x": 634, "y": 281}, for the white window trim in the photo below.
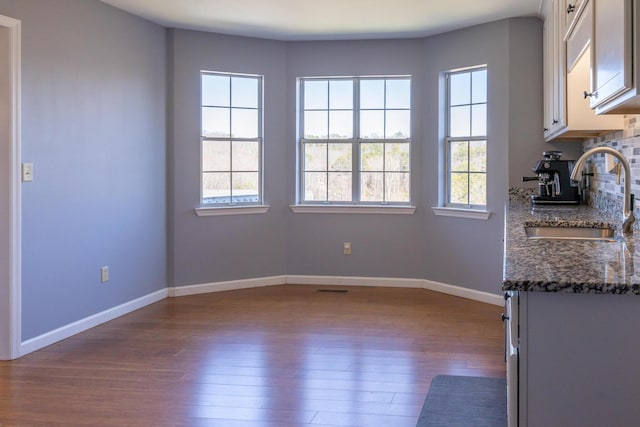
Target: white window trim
{"x": 354, "y": 209}
{"x": 231, "y": 210}
{"x": 355, "y": 142}
{"x": 446, "y": 208}
{"x": 462, "y": 212}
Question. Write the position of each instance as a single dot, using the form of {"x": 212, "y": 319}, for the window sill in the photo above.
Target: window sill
{"x": 462, "y": 213}
{"x": 231, "y": 210}
{"x": 354, "y": 209}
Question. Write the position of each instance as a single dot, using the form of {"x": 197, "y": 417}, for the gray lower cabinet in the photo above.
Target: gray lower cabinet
{"x": 578, "y": 360}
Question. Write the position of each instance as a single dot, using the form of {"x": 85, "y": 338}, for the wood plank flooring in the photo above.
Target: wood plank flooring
{"x": 274, "y": 356}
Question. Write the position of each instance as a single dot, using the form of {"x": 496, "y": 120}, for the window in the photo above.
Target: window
{"x": 231, "y": 139}
{"x": 355, "y": 140}
{"x": 466, "y": 138}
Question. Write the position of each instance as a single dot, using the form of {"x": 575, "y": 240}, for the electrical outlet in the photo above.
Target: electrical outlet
{"x": 347, "y": 248}
{"x": 104, "y": 274}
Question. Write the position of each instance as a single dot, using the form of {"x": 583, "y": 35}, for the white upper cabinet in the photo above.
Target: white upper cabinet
{"x": 554, "y": 70}
{"x": 612, "y": 55}
{"x": 570, "y": 12}
{"x": 567, "y": 43}
{"x": 578, "y": 38}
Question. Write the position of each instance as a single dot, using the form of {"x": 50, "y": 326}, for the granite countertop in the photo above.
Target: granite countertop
{"x": 570, "y": 266}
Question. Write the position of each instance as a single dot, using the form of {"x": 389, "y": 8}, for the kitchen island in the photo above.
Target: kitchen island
{"x": 573, "y": 321}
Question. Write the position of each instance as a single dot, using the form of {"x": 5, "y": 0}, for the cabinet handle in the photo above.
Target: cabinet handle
{"x": 555, "y": 122}
{"x": 545, "y": 129}
{"x": 587, "y": 94}
{"x": 571, "y": 8}
{"x": 504, "y": 317}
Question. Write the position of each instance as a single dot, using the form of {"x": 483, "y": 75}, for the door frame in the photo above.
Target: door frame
{"x": 10, "y": 311}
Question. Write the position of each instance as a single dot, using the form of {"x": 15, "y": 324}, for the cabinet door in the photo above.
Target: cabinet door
{"x": 578, "y": 40}
{"x": 611, "y": 49}
{"x": 547, "y": 70}
{"x": 559, "y": 121}
{"x": 511, "y": 355}
{"x": 570, "y": 11}
{"x": 554, "y": 70}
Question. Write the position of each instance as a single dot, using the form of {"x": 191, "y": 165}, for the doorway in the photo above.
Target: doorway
{"x": 10, "y": 215}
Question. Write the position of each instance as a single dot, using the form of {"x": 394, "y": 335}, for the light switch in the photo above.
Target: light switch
{"x": 104, "y": 274}
{"x": 27, "y": 172}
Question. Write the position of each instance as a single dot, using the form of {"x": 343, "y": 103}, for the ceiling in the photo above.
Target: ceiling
{"x": 326, "y": 19}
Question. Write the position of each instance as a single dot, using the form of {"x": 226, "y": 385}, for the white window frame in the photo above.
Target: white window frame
{"x": 234, "y": 207}
{"x": 355, "y": 205}
{"x": 447, "y": 208}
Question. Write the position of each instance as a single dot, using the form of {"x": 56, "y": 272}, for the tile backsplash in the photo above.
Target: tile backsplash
{"x": 605, "y": 192}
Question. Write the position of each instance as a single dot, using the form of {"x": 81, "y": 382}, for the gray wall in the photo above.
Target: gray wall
{"x": 382, "y": 245}
{"x": 526, "y": 139}
{"x": 95, "y": 87}
{"x": 456, "y": 251}
{"x": 93, "y": 124}
{"x": 212, "y": 249}
{"x": 468, "y": 252}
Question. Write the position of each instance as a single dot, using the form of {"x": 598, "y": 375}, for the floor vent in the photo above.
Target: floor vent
{"x": 334, "y": 291}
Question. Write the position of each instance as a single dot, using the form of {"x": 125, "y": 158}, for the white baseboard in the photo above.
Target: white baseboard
{"x": 389, "y": 282}
{"x": 459, "y": 291}
{"x": 81, "y": 325}
{"x": 71, "y": 329}
{"x": 226, "y": 286}
{"x": 393, "y": 282}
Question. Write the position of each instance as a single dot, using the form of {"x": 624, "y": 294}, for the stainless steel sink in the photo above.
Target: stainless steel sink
{"x": 570, "y": 233}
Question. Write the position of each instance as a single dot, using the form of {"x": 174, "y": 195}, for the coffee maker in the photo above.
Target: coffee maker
{"x": 554, "y": 180}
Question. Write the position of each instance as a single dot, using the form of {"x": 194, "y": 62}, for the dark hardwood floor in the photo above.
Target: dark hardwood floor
{"x": 274, "y": 356}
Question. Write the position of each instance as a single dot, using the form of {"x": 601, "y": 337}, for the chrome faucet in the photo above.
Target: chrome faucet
{"x": 627, "y": 205}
